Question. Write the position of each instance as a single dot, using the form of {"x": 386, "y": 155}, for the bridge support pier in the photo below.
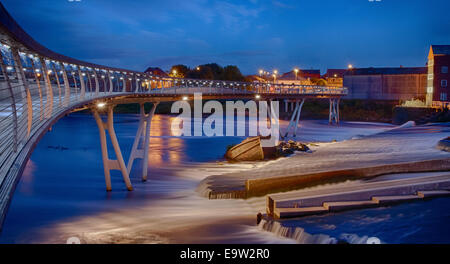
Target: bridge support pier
{"x": 108, "y": 164}
{"x": 334, "y": 111}
{"x": 295, "y": 118}
{"x": 143, "y": 137}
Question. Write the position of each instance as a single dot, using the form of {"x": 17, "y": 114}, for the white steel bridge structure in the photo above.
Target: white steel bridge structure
{"x": 39, "y": 86}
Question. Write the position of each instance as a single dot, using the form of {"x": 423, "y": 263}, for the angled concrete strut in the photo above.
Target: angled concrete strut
{"x": 108, "y": 164}
{"x": 142, "y": 136}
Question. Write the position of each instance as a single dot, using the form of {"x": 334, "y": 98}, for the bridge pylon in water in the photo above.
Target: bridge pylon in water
{"x": 142, "y": 138}
{"x": 333, "y": 116}
{"x": 139, "y": 150}
{"x": 334, "y": 111}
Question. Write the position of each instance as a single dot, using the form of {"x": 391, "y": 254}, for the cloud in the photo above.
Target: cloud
{"x": 281, "y": 4}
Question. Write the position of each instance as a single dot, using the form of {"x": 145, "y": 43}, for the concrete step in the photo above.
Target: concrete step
{"x": 383, "y": 200}
{"x": 430, "y": 194}
{"x": 361, "y": 192}
{"x": 349, "y": 205}
{"x": 297, "y": 212}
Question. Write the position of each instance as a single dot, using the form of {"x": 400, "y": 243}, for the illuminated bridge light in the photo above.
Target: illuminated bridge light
{"x": 101, "y": 105}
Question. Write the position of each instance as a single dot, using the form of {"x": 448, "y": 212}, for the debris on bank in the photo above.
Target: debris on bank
{"x": 444, "y": 144}
{"x": 251, "y": 150}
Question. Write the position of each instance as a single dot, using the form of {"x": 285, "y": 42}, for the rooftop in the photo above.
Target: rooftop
{"x": 156, "y": 71}
{"x": 441, "y": 49}
{"x": 335, "y": 72}
{"x": 387, "y": 71}
{"x": 301, "y": 73}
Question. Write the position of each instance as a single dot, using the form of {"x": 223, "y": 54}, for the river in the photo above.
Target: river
{"x": 62, "y": 193}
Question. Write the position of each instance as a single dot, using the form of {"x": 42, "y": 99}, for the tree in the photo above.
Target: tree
{"x": 232, "y": 73}
{"x": 216, "y": 69}
{"x": 203, "y": 72}
{"x": 210, "y": 71}
{"x": 180, "y": 71}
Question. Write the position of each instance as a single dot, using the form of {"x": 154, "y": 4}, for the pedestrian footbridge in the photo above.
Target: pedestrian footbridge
{"x": 39, "y": 86}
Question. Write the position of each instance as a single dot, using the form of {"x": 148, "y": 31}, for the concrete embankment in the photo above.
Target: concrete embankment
{"x": 334, "y": 199}
{"x": 402, "y": 150}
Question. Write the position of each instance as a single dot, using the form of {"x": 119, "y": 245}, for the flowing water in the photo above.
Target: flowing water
{"x": 62, "y": 192}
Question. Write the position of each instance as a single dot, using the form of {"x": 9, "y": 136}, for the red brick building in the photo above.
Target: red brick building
{"x": 438, "y": 76}
{"x": 311, "y": 74}
{"x": 156, "y": 71}
{"x": 335, "y": 77}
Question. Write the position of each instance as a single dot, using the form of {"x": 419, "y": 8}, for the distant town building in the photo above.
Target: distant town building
{"x": 156, "y": 71}
{"x": 302, "y": 77}
{"x": 386, "y": 83}
{"x": 438, "y": 76}
{"x": 335, "y": 77}
{"x": 255, "y": 78}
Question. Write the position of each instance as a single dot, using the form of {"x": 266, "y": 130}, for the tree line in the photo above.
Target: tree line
{"x": 210, "y": 71}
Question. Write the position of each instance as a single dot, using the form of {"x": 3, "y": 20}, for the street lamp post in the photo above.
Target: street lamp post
{"x": 296, "y": 72}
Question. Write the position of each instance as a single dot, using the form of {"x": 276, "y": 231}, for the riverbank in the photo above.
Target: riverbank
{"x": 313, "y": 109}
{"x": 405, "y": 149}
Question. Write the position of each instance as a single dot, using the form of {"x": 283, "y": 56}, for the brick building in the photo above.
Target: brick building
{"x": 437, "y": 82}
{"x": 335, "y": 77}
{"x": 303, "y": 77}
{"x": 386, "y": 83}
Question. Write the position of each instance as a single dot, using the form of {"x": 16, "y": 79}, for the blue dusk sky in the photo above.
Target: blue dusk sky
{"x": 252, "y": 34}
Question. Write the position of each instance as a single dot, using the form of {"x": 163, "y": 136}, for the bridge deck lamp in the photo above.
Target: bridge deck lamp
{"x": 185, "y": 98}
{"x": 296, "y": 72}
{"x": 257, "y": 96}
{"x": 101, "y": 105}
{"x": 350, "y": 66}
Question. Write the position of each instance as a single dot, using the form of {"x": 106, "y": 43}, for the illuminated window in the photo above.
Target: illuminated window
{"x": 444, "y": 83}
{"x": 444, "y": 69}
{"x": 443, "y": 96}
{"x": 430, "y": 76}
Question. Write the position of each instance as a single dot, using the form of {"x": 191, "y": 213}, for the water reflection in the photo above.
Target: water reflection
{"x": 62, "y": 192}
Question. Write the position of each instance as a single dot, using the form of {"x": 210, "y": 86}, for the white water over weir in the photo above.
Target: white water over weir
{"x": 296, "y": 233}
